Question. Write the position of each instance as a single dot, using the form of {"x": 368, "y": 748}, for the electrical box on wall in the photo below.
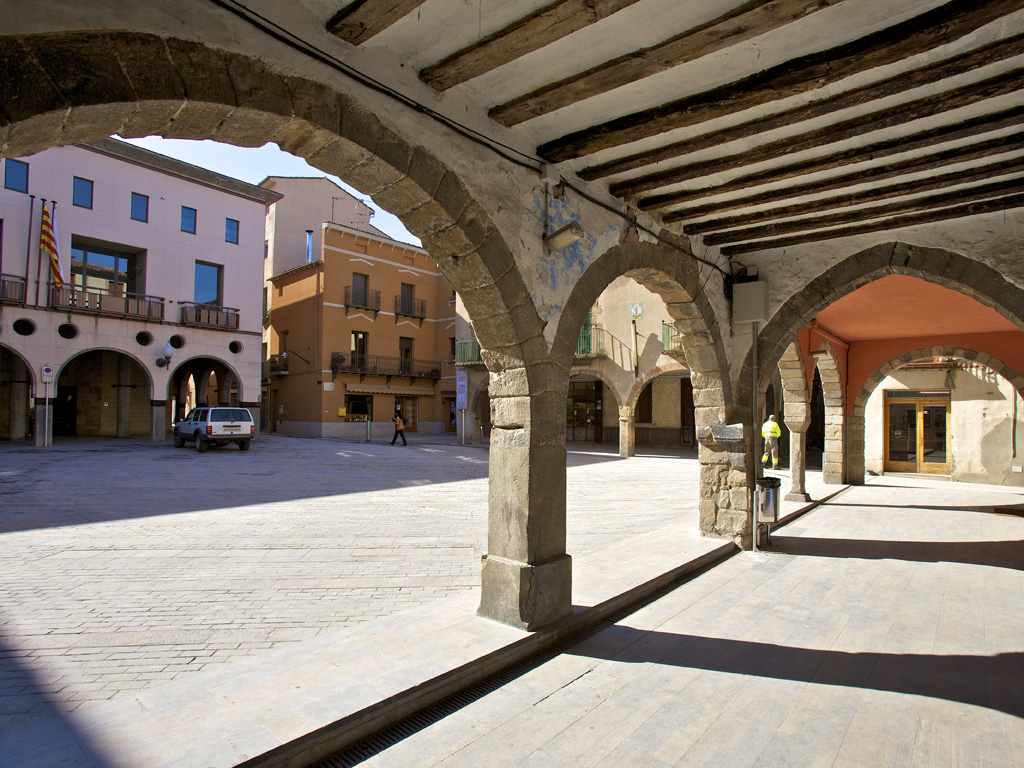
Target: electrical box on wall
{"x": 750, "y": 302}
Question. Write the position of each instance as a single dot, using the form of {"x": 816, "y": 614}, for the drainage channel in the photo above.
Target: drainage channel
{"x": 370, "y": 746}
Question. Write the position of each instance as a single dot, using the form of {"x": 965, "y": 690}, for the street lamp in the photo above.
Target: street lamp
{"x": 165, "y": 361}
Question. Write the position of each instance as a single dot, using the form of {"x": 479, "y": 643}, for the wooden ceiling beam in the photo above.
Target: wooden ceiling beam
{"x": 925, "y": 203}
{"x": 929, "y": 162}
{"x": 932, "y": 73}
{"x": 881, "y": 225}
{"x": 900, "y": 144}
{"x": 922, "y": 33}
{"x": 743, "y": 23}
{"x": 940, "y": 181}
{"x": 360, "y": 20}
{"x": 531, "y": 33}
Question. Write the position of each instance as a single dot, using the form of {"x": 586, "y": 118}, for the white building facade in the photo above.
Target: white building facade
{"x": 160, "y": 306}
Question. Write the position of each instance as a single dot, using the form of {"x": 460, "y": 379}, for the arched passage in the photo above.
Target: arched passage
{"x": 16, "y": 387}
{"x": 857, "y": 417}
{"x": 101, "y": 393}
{"x": 833, "y": 458}
{"x": 726, "y": 467}
{"x": 933, "y": 265}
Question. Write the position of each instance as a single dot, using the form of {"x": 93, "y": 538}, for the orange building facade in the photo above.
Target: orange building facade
{"x": 364, "y": 329}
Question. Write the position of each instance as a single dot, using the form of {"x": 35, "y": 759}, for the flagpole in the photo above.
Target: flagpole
{"x": 39, "y": 262}
{"x": 28, "y": 243}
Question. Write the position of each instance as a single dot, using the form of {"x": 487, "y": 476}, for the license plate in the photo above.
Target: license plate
{"x": 232, "y": 428}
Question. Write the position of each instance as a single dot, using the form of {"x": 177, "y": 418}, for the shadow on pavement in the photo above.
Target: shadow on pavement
{"x": 984, "y": 681}
{"x": 999, "y": 554}
{"x": 33, "y": 731}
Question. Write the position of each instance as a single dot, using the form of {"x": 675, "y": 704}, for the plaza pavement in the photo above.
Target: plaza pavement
{"x": 162, "y": 607}
{"x": 884, "y": 628}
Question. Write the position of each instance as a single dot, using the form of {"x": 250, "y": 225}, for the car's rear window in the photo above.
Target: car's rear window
{"x": 230, "y": 414}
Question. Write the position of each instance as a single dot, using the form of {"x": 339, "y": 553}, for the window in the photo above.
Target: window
{"x": 140, "y": 207}
{"x": 208, "y": 283}
{"x": 105, "y": 269}
{"x": 16, "y": 176}
{"x": 451, "y": 349}
{"x": 81, "y": 194}
{"x": 188, "y": 219}
{"x": 230, "y": 231}
{"x": 360, "y": 289}
{"x": 266, "y": 249}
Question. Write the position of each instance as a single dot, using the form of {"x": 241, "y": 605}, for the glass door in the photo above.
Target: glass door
{"x": 916, "y": 433}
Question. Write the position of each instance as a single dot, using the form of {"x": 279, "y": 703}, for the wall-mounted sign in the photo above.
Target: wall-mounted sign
{"x": 636, "y": 310}
{"x": 461, "y": 389}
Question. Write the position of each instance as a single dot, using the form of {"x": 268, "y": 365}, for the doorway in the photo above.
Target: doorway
{"x": 448, "y": 408}
{"x": 407, "y": 405}
{"x": 583, "y": 415}
{"x": 65, "y": 412}
{"x": 917, "y": 437}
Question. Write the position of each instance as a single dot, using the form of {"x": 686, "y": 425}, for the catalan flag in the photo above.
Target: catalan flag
{"x": 48, "y": 245}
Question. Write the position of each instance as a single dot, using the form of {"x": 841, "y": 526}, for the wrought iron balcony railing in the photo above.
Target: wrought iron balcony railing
{"x": 467, "y": 352}
{"x": 98, "y": 301}
{"x": 12, "y": 289}
{"x": 361, "y": 298}
{"x": 277, "y": 365}
{"x": 671, "y": 338}
{"x": 408, "y": 307}
{"x": 380, "y": 365}
{"x": 208, "y": 316}
{"x": 591, "y": 342}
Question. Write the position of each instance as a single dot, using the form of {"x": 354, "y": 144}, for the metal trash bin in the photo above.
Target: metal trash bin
{"x": 766, "y": 499}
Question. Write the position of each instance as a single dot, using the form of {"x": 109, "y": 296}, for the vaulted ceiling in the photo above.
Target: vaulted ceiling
{"x": 752, "y": 124}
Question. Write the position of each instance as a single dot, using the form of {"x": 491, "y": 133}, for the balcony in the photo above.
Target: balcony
{"x": 591, "y": 342}
{"x": 671, "y": 339}
{"x": 406, "y": 306}
{"x": 362, "y": 298}
{"x": 380, "y": 365}
{"x": 209, "y": 316}
{"x": 467, "y": 352}
{"x": 98, "y": 301}
{"x": 277, "y": 365}
{"x": 12, "y": 289}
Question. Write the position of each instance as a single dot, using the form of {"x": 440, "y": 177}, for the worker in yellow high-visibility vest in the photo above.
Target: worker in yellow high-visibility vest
{"x": 771, "y": 432}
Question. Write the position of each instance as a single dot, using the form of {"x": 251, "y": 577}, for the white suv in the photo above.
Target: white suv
{"x": 216, "y": 425}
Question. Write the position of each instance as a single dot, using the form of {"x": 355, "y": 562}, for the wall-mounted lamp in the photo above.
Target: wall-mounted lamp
{"x": 163, "y": 362}
{"x": 286, "y": 355}
{"x": 564, "y": 237}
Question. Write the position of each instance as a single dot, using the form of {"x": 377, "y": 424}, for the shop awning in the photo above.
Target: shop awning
{"x": 359, "y": 389}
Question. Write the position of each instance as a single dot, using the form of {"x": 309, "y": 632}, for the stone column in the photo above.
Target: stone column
{"x": 157, "y": 420}
{"x": 855, "y": 448}
{"x": 526, "y": 576}
{"x": 124, "y": 398}
{"x": 627, "y": 433}
{"x": 798, "y": 419}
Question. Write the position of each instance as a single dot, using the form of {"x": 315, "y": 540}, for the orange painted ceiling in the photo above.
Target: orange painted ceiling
{"x": 899, "y": 305}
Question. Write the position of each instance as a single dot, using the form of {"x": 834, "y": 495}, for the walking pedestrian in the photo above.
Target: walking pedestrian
{"x": 399, "y": 428}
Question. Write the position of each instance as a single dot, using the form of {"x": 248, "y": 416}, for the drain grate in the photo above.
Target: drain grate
{"x": 387, "y": 737}
{"x": 393, "y": 734}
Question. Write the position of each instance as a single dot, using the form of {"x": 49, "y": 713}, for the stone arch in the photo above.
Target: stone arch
{"x": 88, "y": 373}
{"x": 795, "y": 392}
{"x": 79, "y": 86}
{"x": 663, "y": 271}
{"x": 59, "y": 369}
{"x": 936, "y": 265}
{"x": 833, "y": 460}
{"x": 856, "y": 429}
{"x": 17, "y": 385}
{"x": 726, "y": 466}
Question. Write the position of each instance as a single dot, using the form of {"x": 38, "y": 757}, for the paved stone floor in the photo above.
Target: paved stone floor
{"x": 127, "y": 564}
{"x": 884, "y": 628}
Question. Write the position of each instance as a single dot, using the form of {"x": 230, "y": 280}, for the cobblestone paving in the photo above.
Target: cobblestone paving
{"x": 126, "y": 564}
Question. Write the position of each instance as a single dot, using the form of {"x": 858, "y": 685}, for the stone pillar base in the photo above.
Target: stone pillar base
{"x": 797, "y": 497}
{"x": 526, "y": 596}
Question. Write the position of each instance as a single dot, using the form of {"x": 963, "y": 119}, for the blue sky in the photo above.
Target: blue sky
{"x": 254, "y": 165}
